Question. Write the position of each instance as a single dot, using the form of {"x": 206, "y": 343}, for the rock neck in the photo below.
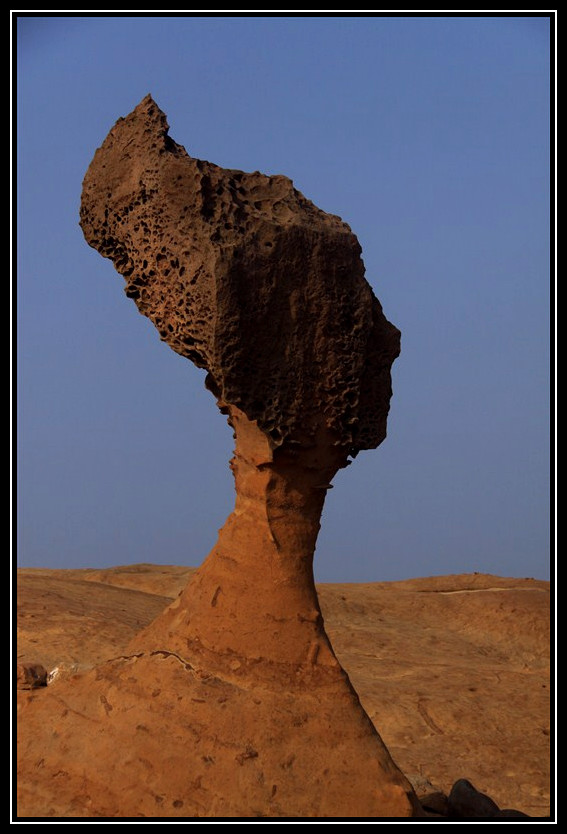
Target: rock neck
{"x": 253, "y": 601}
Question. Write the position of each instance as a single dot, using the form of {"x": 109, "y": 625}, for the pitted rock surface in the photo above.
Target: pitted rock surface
{"x": 243, "y": 275}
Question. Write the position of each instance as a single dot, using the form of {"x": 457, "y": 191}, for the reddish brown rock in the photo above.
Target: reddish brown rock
{"x": 232, "y": 702}
{"x": 247, "y": 278}
{"x": 30, "y": 675}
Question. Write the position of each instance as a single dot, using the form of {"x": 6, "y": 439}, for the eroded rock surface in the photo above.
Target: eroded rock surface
{"x": 248, "y": 279}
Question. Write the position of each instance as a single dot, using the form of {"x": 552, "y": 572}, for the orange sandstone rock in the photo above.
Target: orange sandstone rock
{"x": 232, "y": 702}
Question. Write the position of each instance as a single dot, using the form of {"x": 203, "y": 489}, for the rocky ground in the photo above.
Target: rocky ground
{"x": 452, "y": 670}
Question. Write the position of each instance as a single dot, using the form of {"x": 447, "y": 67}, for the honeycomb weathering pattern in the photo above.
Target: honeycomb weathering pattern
{"x": 243, "y": 275}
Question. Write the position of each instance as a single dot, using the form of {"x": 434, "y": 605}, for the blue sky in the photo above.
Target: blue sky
{"x": 430, "y": 136}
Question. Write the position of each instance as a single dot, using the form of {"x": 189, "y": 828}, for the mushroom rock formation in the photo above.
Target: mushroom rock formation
{"x": 249, "y": 280}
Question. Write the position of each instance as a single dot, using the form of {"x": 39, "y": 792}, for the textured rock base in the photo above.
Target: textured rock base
{"x": 150, "y": 736}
